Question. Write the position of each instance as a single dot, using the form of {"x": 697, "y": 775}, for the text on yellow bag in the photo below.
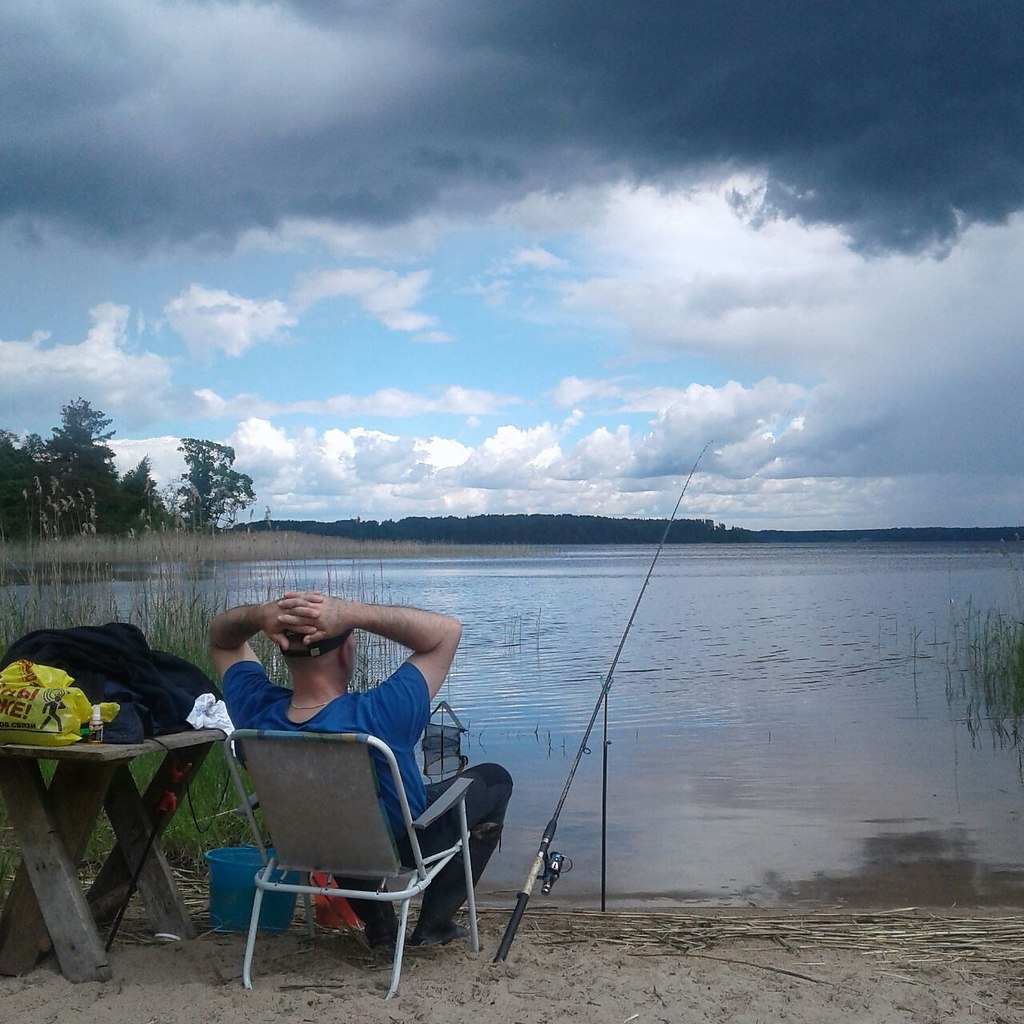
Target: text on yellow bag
{"x": 39, "y": 704}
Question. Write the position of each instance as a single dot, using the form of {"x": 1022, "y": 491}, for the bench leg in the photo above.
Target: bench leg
{"x": 53, "y": 827}
{"x": 136, "y": 819}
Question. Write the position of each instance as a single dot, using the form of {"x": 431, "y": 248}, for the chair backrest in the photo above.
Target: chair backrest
{"x": 320, "y": 801}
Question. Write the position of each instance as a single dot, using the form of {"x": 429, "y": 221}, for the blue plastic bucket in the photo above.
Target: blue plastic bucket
{"x": 232, "y": 891}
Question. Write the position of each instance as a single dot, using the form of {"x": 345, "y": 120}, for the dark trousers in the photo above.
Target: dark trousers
{"x": 486, "y": 802}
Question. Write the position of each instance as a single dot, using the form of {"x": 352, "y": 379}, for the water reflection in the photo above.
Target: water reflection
{"x": 910, "y": 869}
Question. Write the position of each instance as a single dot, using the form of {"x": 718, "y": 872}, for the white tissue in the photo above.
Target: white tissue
{"x": 210, "y": 713}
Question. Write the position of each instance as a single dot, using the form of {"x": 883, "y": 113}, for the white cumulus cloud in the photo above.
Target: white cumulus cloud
{"x": 211, "y": 319}
{"x": 384, "y": 295}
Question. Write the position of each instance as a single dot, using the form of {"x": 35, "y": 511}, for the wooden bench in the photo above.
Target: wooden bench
{"x": 46, "y": 906}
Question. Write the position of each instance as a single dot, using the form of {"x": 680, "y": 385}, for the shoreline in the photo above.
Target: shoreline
{"x": 561, "y": 967}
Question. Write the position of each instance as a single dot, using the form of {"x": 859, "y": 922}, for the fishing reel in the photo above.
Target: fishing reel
{"x": 554, "y": 865}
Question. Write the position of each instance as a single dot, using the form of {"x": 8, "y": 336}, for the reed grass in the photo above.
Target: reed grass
{"x": 184, "y": 547}
{"x": 986, "y": 670}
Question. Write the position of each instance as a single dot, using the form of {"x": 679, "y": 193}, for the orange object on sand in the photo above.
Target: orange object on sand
{"x": 332, "y": 911}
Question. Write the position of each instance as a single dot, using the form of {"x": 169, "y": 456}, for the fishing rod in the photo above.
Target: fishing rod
{"x": 549, "y": 866}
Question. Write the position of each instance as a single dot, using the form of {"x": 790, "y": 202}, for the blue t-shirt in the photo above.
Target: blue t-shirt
{"x": 396, "y": 712}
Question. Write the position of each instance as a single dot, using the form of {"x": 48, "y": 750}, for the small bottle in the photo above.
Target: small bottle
{"x": 96, "y": 725}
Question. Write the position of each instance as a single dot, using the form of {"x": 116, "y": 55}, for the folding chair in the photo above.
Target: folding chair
{"x": 321, "y": 806}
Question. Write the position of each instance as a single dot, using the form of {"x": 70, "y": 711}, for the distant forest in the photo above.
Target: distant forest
{"x": 573, "y": 529}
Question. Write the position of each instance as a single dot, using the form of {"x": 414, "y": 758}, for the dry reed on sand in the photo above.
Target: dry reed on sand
{"x": 903, "y": 936}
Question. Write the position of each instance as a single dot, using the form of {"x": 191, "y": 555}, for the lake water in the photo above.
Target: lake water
{"x": 779, "y": 731}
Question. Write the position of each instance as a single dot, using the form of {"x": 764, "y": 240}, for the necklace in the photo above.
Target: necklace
{"x": 308, "y": 707}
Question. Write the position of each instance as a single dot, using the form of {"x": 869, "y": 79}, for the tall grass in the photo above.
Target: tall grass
{"x": 171, "y": 586}
{"x": 988, "y": 674}
{"x": 986, "y": 670}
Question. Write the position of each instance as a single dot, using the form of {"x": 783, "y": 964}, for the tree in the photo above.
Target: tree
{"x": 78, "y": 447}
{"x": 211, "y": 492}
{"x": 82, "y": 488}
{"x": 16, "y": 472}
{"x": 34, "y": 447}
{"x": 141, "y": 502}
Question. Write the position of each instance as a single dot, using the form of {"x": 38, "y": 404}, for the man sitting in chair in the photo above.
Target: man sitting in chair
{"x": 315, "y": 634}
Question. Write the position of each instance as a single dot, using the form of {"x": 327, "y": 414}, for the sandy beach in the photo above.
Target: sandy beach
{"x": 619, "y": 968}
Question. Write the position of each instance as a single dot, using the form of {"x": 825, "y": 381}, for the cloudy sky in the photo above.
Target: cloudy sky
{"x": 450, "y": 258}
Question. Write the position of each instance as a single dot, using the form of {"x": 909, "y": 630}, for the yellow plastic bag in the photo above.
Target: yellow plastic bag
{"x": 39, "y": 704}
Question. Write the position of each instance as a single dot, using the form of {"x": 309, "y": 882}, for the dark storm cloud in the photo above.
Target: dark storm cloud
{"x": 901, "y": 121}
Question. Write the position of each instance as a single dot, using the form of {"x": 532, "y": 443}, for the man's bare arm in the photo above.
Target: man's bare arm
{"x": 231, "y": 630}
{"x": 432, "y": 638}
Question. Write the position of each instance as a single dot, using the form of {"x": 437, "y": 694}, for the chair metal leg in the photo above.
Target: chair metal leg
{"x": 467, "y": 864}
{"x": 396, "y": 963}
{"x": 250, "y": 944}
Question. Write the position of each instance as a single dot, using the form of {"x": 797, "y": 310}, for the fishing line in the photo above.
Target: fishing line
{"x": 549, "y": 866}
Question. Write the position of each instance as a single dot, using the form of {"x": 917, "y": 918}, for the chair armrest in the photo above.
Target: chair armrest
{"x": 448, "y": 799}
